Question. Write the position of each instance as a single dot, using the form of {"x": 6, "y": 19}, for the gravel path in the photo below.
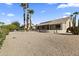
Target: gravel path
{"x": 34, "y": 43}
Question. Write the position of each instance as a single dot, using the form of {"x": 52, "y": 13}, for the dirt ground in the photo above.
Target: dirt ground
{"x": 40, "y": 44}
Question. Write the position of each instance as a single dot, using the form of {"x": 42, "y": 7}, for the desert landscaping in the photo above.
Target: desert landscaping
{"x": 40, "y": 44}
{"x": 26, "y": 33}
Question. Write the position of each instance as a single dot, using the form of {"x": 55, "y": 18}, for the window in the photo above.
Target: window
{"x": 58, "y": 26}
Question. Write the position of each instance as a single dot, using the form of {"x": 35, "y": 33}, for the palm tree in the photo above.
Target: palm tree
{"x": 25, "y": 6}
{"x": 74, "y": 18}
{"x": 24, "y": 9}
{"x": 27, "y": 16}
{"x": 30, "y": 11}
{"x": 71, "y": 18}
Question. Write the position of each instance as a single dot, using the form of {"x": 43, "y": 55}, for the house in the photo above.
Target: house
{"x": 56, "y": 26}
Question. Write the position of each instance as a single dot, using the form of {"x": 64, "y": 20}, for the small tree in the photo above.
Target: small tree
{"x": 17, "y": 24}
{"x": 12, "y": 27}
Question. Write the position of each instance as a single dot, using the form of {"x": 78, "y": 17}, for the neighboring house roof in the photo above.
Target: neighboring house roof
{"x": 57, "y": 21}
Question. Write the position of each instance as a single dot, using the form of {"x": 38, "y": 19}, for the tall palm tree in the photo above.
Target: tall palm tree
{"x": 27, "y": 16}
{"x": 24, "y": 9}
{"x": 71, "y": 18}
{"x": 30, "y": 11}
{"x": 25, "y": 6}
{"x": 74, "y": 18}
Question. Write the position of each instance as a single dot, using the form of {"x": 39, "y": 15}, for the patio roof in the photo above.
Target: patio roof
{"x": 57, "y": 21}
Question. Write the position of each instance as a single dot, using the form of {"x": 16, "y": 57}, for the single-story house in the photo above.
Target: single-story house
{"x": 56, "y": 26}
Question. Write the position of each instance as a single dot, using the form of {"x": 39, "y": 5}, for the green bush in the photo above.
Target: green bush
{"x": 2, "y": 38}
{"x": 5, "y": 31}
{"x": 73, "y": 30}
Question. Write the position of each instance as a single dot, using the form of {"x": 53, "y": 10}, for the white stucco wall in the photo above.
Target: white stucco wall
{"x": 67, "y": 23}
{"x": 64, "y": 27}
{"x": 57, "y": 31}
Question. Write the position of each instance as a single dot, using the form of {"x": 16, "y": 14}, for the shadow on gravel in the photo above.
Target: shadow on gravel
{"x": 14, "y": 37}
{"x": 42, "y": 31}
{"x": 64, "y": 33}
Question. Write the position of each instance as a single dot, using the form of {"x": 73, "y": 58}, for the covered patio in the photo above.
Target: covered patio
{"x": 56, "y": 26}
{"x": 50, "y": 27}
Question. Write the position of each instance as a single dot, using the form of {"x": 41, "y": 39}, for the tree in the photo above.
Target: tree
{"x": 12, "y": 27}
{"x": 71, "y": 18}
{"x": 17, "y": 24}
{"x": 74, "y": 29}
{"x": 25, "y": 6}
{"x": 74, "y": 18}
{"x": 30, "y": 11}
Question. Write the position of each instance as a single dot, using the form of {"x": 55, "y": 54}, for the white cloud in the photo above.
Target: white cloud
{"x": 7, "y": 21}
{"x": 49, "y": 3}
{"x": 43, "y": 11}
{"x": 8, "y": 3}
{"x": 3, "y": 13}
{"x": 62, "y": 6}
{"x": 10, "y": 14}
{"x": 67, "y": 13}
{"x": 68, "y": 5}
{"x": 1, "y": 20}
{"x": 65, "y": 16}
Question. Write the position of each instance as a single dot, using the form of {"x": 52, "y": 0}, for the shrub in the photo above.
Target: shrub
{"x": 73, "y": 30}
{"x": 11, "y": 27}
{"x": 6, "y": 31}
{"x": 16, "y": 24}
{"x": 3, "y": 32}
{"x": 2, "y": 38}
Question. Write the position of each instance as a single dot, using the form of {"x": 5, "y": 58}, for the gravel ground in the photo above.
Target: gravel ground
{"x": 40, "y": 44}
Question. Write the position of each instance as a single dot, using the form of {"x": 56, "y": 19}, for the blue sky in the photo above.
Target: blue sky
{"x": 10, "y": 12}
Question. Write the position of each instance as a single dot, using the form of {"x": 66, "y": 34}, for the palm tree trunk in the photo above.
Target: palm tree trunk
{"x": 27, "y": 20}
{"x": 24, "y": 19}
{"x": 74, "y": 21}
{"x": 30, "y": 22}
{"x": 27, "y": 16}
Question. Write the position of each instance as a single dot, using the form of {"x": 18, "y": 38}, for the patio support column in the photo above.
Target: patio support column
{"x": 39, "y": 27}
{"x": 54, "y": 26}
{"x": 49, "y": 27}
{"x": 45, "y": 27}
